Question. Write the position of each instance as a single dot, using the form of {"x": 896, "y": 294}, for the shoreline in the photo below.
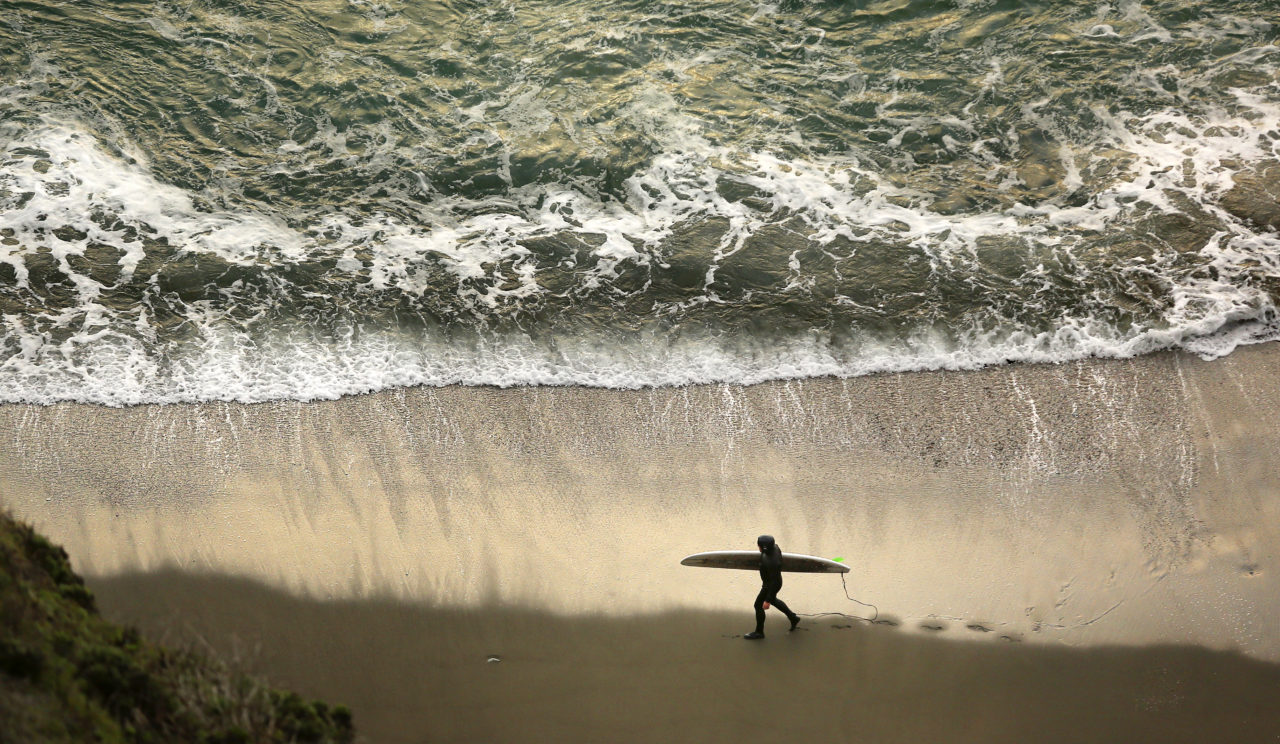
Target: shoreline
{"x": 1092, "y": 502}
{"x": 1234, "y": 339}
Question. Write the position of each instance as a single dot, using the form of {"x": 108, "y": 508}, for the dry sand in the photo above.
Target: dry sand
{"x": 1083, "y": 511}
{"x": 414, "y": 674}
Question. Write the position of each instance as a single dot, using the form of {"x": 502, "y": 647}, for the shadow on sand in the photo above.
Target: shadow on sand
{"x": 417, "y": 674}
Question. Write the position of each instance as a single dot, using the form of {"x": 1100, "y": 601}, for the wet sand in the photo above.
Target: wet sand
{"x": 1084, "y": 510}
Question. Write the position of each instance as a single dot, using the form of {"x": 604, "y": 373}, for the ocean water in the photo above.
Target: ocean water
{"x": 225, "y": 200}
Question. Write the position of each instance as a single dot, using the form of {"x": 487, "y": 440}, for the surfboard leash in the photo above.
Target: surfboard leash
{"x": 871, "y": 619}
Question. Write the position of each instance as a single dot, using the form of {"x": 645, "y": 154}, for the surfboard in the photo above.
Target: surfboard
{"x": 750, "y": 560}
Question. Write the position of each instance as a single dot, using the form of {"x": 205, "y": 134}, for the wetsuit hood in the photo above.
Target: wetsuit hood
{"x": 765, "y": 542}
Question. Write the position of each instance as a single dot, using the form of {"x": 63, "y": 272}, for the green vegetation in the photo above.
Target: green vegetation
{"x": 67, "y": 675}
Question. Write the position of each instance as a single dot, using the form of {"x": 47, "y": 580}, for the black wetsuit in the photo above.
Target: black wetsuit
{"x": 771, "y": 584}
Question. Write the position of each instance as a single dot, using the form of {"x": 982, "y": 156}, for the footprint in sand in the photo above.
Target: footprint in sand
{"x": 978, "y": 627}
{"x": 935, "y": 627}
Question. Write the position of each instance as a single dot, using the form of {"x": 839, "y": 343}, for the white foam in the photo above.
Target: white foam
{"x": 299, "y": 366}
{"x": 1176, "y": 158}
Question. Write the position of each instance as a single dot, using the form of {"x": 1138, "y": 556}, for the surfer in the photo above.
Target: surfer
{"x": 771, "y": 584}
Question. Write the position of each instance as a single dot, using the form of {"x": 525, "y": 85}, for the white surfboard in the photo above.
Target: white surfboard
{"x": 750, "y": 560}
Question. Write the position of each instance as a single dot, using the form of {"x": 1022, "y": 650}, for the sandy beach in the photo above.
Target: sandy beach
{"x": 414, "y": 674}
{"x": 1068, "y": 553}
{"x": 400, "y": 351}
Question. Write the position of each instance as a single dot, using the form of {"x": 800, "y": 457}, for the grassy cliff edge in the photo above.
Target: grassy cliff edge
{"x": 68, "y": 675}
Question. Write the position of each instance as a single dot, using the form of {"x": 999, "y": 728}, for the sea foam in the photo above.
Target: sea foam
{"x": 77, "y": 326}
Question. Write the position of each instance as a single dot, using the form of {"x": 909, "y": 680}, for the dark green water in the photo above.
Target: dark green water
{"x": 223, "y": 200}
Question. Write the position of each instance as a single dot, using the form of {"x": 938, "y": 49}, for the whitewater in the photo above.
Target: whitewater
{"x": 217, "y": 202}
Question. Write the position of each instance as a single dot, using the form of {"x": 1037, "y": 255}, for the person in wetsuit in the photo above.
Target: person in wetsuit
{"x": 771, "y": 584}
